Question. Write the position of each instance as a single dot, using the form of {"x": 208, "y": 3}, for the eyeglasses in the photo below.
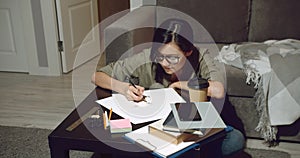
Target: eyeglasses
{"x": 171, "y": 59}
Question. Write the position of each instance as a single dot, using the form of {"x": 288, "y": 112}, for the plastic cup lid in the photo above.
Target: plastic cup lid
{"x": 198, "y": 83}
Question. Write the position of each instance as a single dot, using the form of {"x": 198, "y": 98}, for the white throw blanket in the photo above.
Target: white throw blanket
{"x": 274, "y": 67}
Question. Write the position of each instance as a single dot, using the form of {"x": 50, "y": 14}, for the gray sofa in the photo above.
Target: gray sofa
{"x": 231, "y": 21}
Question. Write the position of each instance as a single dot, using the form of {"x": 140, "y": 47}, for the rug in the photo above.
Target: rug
{"x": 18, "y": 142}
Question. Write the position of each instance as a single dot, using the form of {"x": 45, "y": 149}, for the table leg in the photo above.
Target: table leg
{"x": 57, "y": 152}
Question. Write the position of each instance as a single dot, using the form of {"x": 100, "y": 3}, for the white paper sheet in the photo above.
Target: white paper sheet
{"x": 143, "y": 112}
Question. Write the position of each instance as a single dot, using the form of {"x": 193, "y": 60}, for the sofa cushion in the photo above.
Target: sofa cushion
{"x": 226, "y": 21}
{"x": 236, "y": 83}
{"x": 246, "y": 111}
{"x": 274, "y": 20}
{"x": 133, "y": 28}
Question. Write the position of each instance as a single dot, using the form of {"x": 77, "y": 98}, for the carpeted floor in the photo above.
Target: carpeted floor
{"x": 17, "y": 142}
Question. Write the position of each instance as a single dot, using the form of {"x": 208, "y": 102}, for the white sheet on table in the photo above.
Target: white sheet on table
{"x": 142, "y": 112}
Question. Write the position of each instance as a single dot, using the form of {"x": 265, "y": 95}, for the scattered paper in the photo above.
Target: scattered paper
{"x": 140, "y": 112}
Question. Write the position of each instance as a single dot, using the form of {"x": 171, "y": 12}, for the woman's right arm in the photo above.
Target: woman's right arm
{"x": 113, "y": 76}
{"x": 103, "y": 80}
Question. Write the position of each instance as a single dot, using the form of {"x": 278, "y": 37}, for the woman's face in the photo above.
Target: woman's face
{"x": 171, "y": 58}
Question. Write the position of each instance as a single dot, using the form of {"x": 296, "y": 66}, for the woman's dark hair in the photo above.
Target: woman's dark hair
{"x": 181, "y": 33}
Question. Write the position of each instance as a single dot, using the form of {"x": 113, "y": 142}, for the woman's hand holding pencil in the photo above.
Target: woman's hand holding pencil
{"x": 134, "y": 92}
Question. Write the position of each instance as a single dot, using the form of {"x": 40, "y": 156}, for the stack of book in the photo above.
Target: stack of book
{"x": 168, "y": 130}
{"x": 157, "y": 130}
{"x": 170, "y": 124}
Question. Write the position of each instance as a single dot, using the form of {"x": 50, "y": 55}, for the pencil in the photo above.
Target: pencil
{"x": 110, "y": 112}
{"x": 144, "y": 97}
{"x": 132, "y": 83}
{"x": 104, "y": 121}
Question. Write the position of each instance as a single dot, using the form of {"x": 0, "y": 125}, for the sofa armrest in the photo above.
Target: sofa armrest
{"x": 131, "y": 29}
{"x": 236, "y": 83}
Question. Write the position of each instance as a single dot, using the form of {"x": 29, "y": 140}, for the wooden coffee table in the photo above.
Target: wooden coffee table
{"x": 94, "y": 139}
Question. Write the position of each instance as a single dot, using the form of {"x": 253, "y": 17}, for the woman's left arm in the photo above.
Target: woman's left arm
{"x": 215, "y": 89}
{"x": 212, "y": 71}
{"x": 179, "y": 85}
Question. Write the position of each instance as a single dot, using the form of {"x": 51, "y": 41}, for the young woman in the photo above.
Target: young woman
{"x": 171, "y": 62}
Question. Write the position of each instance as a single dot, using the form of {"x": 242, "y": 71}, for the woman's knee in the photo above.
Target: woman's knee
{"x": 233, "y": 142}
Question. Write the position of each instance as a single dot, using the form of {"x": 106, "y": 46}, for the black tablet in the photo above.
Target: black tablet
{"x": 187, "y": 115}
